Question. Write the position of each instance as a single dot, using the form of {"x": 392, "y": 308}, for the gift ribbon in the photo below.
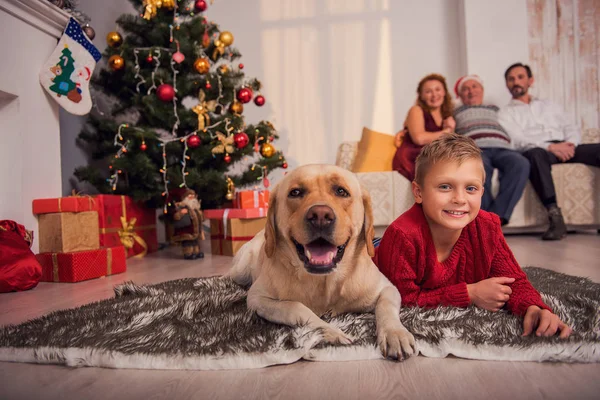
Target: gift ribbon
{"x": 55, "y": 267}
{"x": 129, "y": 237}
{"x": 232, "y": 238}
{"x": 255, "y": 195}
{"x": 127, "y": 232}
{"x": 77, "y": 194}
{"x": 109, "y": 261}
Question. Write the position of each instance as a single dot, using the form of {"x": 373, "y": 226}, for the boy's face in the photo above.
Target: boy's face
{"x": 451, "y": 194}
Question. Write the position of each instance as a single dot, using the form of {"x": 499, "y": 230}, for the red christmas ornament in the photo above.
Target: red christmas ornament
{"x": 241, "y": 140}
{"x": 208, "y": 85}
{"x": 165, "y": 92}
{"x": 194, "y": 141}
{"x": 259, "y": 100}
{"x": 241, "y": 66}
{"x": 149, "y": 58}
{"x": 201, "y": 5}
{"x": 227, "y": 158}
{"x": 284, "y": 165}
{"x": 143, "y": 146}
{"x": 244, "y": 95}
{"x": 266, "y": 182}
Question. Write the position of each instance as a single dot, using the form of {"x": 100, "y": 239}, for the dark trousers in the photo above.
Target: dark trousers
{"x": 513, "y": 172}
{"x": 541, "y": 165}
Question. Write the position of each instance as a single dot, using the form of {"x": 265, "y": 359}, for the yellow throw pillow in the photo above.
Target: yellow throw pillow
{"x": 375, "y": 152}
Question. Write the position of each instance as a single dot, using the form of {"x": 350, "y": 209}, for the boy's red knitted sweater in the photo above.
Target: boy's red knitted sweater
{"x": 408, "y": 258}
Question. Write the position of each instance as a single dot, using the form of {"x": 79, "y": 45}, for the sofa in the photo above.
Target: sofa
{"x": 577, "y": 193}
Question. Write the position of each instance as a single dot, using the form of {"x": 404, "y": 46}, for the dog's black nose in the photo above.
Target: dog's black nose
{"x": 320, "y": 217}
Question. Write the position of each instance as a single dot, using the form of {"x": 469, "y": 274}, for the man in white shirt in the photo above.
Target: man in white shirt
{"x": 545, "y": 136}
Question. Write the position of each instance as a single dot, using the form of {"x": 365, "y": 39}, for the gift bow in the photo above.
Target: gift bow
{"x": 203, "y": 108}
{"x": 219, "y": 49}
{"x": 75, "y": 193}
{"x": 129, "y": 237}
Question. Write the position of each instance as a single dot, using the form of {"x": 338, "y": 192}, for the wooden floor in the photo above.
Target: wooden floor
{"x": 418, "y": 378}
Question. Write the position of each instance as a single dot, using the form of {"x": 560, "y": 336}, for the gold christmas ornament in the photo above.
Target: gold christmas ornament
{"x": 226, "y": 37}
{"x": 267, "y": 150}
{"x": 236, "y": 107}
{"x": 114, "y": 39}
{"x": 202, "y": 65}
{"x": 230, "y": 189}
{"x": 116, "y": 62}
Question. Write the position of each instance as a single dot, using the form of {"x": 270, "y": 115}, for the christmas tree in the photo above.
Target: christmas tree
{"x": 152, "y": 142}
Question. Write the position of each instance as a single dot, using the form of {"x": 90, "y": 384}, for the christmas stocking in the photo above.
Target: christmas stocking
{"x": 66, "y": 75}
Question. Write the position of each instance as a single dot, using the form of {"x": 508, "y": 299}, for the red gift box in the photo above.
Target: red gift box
{"x": 64, "y": 204}
{"x": 228, "y": 213}
{"x": 251, "y": 199}
{"x": 82, "y": 265}
{"x": 226, "y": 240}
{"x": 231, "y": 228}
{"x": 124, "y": 222}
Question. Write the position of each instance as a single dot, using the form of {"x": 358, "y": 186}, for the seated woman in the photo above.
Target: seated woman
{"x": 427, "y": 120}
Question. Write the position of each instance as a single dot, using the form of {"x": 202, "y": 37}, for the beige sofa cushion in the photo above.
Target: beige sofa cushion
{"x": 375, "y": 152}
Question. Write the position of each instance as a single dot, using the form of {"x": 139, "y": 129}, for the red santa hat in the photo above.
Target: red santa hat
{"x": 461, "y": 81}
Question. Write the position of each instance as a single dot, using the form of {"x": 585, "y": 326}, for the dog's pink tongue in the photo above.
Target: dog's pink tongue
{"x": 321, "y": 254}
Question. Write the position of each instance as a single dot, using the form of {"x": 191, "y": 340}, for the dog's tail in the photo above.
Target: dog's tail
{"x": 245, "y": 260}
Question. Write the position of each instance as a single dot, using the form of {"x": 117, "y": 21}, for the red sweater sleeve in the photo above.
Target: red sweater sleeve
{"x": 398, "y": 260}
{"x": 504, "y": 264}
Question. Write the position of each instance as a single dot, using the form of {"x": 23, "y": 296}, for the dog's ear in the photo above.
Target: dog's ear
{"x": 368, "y": 229}
{"x": 270, "y": 228}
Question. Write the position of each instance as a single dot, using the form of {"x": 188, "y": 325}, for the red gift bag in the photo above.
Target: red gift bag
{"x": 19, "y": 269}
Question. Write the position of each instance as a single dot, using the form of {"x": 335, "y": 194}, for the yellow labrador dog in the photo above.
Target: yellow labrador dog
{"x": 314, "y": 256}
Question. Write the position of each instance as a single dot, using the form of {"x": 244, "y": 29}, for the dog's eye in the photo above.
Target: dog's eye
{"x": 295, "y": 193}
{"x": 341, "y": 192}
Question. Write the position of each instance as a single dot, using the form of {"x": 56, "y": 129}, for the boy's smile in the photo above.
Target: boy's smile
{"x": 451, "y": 195}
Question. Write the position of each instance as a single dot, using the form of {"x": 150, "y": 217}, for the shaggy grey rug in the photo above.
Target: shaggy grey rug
{"x": 204, "y": 324}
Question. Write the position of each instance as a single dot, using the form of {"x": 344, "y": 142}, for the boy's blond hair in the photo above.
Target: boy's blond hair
{"x": 452, "y": 147}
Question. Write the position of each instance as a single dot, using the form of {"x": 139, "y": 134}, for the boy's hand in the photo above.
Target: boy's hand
{"x": 490, "y": 294}
{"x": 547, "y": 323}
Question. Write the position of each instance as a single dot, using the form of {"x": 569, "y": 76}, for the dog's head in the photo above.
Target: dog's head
{"x": 322, "y": 215}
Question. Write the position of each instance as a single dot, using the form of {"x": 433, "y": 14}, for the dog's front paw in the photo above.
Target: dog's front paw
{"x": 396, "y": 343}
{"x": 334, "y": 335}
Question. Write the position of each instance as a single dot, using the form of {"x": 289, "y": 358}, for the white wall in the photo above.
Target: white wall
{"x": 29, "y": 126}
{"x": 330, "y": 67}
{"x": 496, "y": 37}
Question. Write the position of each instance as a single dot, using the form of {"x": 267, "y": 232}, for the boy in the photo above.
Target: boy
{"x": 446, "y": 251}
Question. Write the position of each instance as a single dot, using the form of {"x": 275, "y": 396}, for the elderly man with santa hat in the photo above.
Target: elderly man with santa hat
{"x": 479, "y": 121}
